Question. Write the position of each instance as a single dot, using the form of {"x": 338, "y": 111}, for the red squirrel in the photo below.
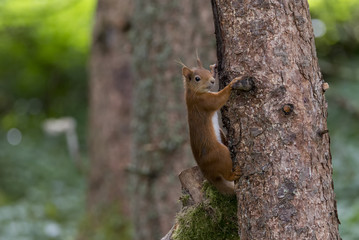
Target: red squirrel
{"x": 207, "y": 139}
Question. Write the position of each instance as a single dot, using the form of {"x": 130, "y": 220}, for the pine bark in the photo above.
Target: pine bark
{"x": 277, "y": 131}
{"x": 163, "y": 32}
{"x": 110, "y": 107}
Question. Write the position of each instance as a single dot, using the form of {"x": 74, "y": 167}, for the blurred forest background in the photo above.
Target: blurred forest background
{"x": 48, "y": 185}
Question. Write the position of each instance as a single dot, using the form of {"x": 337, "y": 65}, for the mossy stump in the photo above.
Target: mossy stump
{"x": 206, "y": 213}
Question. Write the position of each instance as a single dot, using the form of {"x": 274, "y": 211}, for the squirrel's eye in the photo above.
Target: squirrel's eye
{"x": 197, "y": 78}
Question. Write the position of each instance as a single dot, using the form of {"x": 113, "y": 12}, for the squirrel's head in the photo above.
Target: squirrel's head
{"x": 198, "y": 78}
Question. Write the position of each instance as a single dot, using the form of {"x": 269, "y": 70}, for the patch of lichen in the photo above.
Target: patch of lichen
{"x": 214, "y": 219}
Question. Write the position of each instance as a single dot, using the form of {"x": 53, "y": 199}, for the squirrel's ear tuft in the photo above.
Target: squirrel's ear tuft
{"x": 186, "y": 72}
{"x": 199, "y": 63}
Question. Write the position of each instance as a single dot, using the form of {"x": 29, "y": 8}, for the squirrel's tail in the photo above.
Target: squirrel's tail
{"x": 224, "y": 186}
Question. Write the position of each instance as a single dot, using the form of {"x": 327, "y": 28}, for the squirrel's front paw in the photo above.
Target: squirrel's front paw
{"x": 245, "y": 83}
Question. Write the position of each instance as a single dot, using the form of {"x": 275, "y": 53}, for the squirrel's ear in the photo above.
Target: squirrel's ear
{"x": 186, "y": 72}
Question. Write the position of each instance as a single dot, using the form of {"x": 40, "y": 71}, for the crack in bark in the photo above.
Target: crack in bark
{"x": 218, "y": 33}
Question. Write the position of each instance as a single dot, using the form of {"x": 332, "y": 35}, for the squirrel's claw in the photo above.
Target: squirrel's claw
{"x": 245, "y": 83}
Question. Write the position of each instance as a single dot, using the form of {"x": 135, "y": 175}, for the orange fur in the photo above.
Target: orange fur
{"x": 212, "y": 157}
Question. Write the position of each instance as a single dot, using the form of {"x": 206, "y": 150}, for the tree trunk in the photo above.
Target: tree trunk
{"x": 278, "y": 131}
{"x": 163, "y": 31}
{"x": 110, "y": 109}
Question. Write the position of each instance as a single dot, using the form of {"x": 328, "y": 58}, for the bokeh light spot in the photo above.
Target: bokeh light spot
{"x": 319, "y": 27}
{"x": 14, "y": 136}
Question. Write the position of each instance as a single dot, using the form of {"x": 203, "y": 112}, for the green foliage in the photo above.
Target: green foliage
{"x": 337, "y": 15}
{"x": 43, "y": 54}
{"x": 215, "y": 218}
{"x": 338, "y": 48}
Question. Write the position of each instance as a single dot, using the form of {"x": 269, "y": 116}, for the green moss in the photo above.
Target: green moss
{"x": 185, "y": 198}
{"x": 215, "y": 218}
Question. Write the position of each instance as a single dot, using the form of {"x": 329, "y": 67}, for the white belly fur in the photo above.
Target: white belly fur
{"x": 216, "y": 127}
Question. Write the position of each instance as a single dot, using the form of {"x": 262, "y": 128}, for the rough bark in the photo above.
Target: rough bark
{"x": 110, "y": 107}
{"x": 278, "y": 131}
{"x": 163, "y": 31}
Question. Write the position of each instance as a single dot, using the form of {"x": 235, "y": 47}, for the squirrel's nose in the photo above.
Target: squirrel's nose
{"x": 212, "y": 81}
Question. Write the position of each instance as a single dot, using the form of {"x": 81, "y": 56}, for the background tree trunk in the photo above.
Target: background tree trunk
{"x": 163, "y": 31}
{"x": 278, "y": 131}
{"x": 110, "y": 109}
